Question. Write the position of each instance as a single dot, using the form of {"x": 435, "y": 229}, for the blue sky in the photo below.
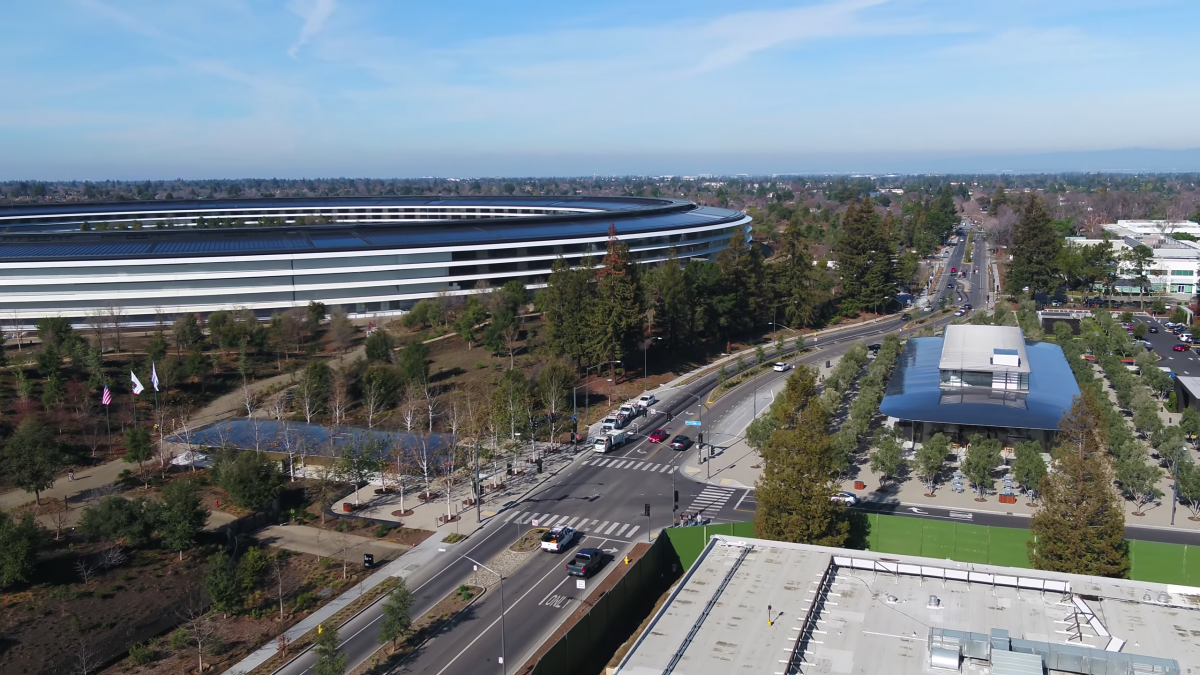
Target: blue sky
{"x": 229, "y": 88}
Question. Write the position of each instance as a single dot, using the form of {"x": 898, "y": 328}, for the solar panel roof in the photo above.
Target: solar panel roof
{"x": 915, "y": 392}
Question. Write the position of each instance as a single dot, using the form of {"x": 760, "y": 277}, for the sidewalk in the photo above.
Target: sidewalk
{"x": 404, "y": 566}
{"x": 92, "y": 478}
{"x": 328, "y": 544}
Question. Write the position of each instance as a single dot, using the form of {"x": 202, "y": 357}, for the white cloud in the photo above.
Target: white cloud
{"x": 315, "y": 13}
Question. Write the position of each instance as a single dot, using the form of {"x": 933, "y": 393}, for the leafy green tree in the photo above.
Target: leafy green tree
{"x": 1029, "y": 469}
{"x": 1138, "y": 261}
{"x": 130, "y": 522}
{"x": 55, "y": 330}
{"x": 887, "y": 458}
{"x": 413, "y": 362}
{"x": 20, "y": 542}
{"x": 1080, "y": 527}
{"x": 1139, "y": 481}
{"x": 468, "y": 321}
{"x": 223, "y": 586}
{"x": 930, "y": 459}
{"x": 397, "y": 614}
{"x": 250, "y": 478}
{"x": 313, "y": 316}
{"x": 182, "y": 516}
{"x": 759, "y": 431}
{"x": 426, "y": 312}
{"x": 1188, "y": 484}
{"x": 1035, "y": 250}
{"x": 329, "y": 661}
{"x": 156, "y": 348}
{"x": 379, "y": 347}
{"x": 982, "y": 458}
{"x": 1190, "y": 422}
{"x": 502, "y": 332}
{"x": 187, "y": 332}
{"x": 138, "y": 446}
{"x": 31, "y": 457}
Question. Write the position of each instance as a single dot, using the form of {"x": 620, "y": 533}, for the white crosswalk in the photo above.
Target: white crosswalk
{"x": 589, "y": 526}
{"x": 711, "y": 499}
{"x": 631, "y": 464}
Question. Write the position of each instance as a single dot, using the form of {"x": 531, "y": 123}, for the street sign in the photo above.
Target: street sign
{"x": 533, "y": 522}
{"x": 580, "y": 584}
{"x": 692, "y": 423}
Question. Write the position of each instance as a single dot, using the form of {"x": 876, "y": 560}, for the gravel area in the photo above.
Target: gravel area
{"x": 506, "y": 563}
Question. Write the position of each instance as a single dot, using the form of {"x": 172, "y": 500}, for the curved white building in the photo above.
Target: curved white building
{"x": 372, "y": 255}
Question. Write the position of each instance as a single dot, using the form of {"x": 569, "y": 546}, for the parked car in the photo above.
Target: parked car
{"x": 558, "y": 539}
{"x": 781, "y": 367}
{"x": 1185, "y": 337}
{"x": 1180, "y": 348}
{"x": 586, "y": 562}
{"x": 681, "y": 443}
{"x": 658, "y": 435}
{"x": 646, "y": 400}
{"x": 847, "y": 498}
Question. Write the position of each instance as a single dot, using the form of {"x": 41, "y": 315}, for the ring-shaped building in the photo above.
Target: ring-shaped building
{"x": 159, "y": 259}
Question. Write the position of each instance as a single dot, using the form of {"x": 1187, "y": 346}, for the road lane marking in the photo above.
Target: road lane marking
{"x": 622, "y": 530}
{"x": 635, "y": 529}
{"x": 512, "y": 515}
{"x": 611, "y": 528}
{"x": 637, "y": 466}
{"x": 571, "y": 522}
{"x": 602, "y": 526}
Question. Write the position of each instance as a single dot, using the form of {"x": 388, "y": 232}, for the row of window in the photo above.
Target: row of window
{"x": 251, "y": 216}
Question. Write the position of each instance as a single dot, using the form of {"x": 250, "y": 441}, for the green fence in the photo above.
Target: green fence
{"x": 962, "y": 542}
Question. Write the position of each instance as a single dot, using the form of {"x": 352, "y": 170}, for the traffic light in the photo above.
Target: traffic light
{"x": 676, "y": 507}
{"x": 647, "y": 510}
{"x": 645, "y": 412}
{"x": 700, "y": 438}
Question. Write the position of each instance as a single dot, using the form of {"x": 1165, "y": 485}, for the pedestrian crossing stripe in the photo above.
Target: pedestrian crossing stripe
{"x": 593, "y": 527}
{"x": 711, "y": 499}
{"x": 632, "y": 465}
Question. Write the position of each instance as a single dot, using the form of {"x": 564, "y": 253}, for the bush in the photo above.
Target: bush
{"x": 383, "y": 530}
{"x": 179, "y": 640}
{"x": 250, "y": 478}
{"x": 140, "y": 653}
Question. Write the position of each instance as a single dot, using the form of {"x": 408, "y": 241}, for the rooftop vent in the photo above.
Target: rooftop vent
{"x": 1164, "y": 598}
{"x": 891, "y": 599}
{"x": 934, "y": 602}
{"x": 1006, "y": 357}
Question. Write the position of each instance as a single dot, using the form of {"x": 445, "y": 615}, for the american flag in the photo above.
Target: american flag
{"x": 106, "y": 398}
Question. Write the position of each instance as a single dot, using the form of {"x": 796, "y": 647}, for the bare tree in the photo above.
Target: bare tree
{"x": 278, "y": 405}
{"x": 59, "y": 514}
{"x": 199, "y": 627}
{"x": 278, "y": 566}
{"x": 115, "y": 318}
{"x": 96, "y": 322}
{"x": 86, "y": 572}
{"x": 112, "y": 557}
{"x": 87, "y": 658}
{"x": 430, "y": 397}
{"x": 250, "y": 399}
{"x": 374, "y": 399}
{"x": 339, "y": 397}
{"x": 291, "y": 444}
{"x": 308, "y": 398}
{"x": 343, "y": 544}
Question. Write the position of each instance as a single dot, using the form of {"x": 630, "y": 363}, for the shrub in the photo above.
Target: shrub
{"x": 140, "y": 653}
{"x": 179, "y": 640}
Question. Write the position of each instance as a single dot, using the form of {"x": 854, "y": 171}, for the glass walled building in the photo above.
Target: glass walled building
{"x": 154, "y": 259}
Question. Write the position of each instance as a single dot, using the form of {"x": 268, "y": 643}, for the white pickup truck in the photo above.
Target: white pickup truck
{"x": 610, "y": 441}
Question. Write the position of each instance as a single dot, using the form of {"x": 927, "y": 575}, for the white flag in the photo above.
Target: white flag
{"x": 137, "y": 385}
{"x": 153, "y": 376}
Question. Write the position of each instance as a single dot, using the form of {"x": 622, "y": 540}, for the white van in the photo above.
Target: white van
{"x": 610, "y": 441}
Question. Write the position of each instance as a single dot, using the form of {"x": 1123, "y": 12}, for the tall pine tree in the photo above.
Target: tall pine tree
{"x": 567, "y": 302}
{"x": 1035, "y": 250}
{"x": 1080, "y": 527}
{"x": 617, "y": 317}
{"x": 865, "y": 264}
{"x": 799, "y": 478}
{"x": 669, "y": 298}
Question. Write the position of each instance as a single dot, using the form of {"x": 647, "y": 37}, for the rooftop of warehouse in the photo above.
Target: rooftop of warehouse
{"x": 877, "y": 613}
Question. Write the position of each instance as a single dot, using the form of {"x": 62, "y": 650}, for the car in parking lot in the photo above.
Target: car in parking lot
{"x": 658, "y": 436}
{"x": 1185, "y": 337}
{"x": 558, "y": 538}
{"x": 781, "y": 367}
{"x": 681, "y": 442}
{"x": 586, "y": 562}
{"x": 1180, "y": 348}
{"x": 847, "y": 498}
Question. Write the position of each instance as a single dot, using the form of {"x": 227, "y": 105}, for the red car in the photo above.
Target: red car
{"x": 658, "y": 436}
{"x": 1181, "y": 348}
{"x": 953, "y": 270}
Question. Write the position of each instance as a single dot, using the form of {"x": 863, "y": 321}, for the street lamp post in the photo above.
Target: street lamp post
{"x": 645, "y": 363}
{"x": 503, "y": 665}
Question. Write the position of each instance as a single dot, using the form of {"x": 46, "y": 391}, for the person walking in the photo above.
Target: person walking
{"x": 71, "y": 474}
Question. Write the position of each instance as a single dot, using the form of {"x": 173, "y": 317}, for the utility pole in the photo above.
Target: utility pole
{"x": 478, "y": 486}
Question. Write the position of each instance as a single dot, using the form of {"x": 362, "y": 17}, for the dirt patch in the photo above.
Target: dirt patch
{"x": 365, "y": 528}
{"x": 530, "y": 541}
{"x": 443, "y": 616}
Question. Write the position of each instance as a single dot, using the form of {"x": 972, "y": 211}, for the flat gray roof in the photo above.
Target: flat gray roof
{"x": 847, "y": 611}
{"x": 968, "y": 347}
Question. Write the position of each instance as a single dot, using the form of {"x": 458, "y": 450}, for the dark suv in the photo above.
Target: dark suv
{"x": 586, "y": 562}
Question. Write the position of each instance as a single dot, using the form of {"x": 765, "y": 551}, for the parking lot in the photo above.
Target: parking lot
{"x": 1183, "y": 363}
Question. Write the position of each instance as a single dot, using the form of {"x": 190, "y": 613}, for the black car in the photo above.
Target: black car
{"x": 681, "y": 443}
{"x": 586, "y": 562}
{"x": 903, "y": 317}
{"x": 1153, "y": 329}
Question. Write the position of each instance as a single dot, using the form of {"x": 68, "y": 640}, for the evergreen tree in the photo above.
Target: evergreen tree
{"x": 801, "y": 287}
{"x": 187, "y": 332}
{"x": 568, "y": 304}
{"x": 222, "y": 584}
{"x": 182, "y": 516}
{"x": 250, "y": 478}
{"x": 999, "y": 198}
{"x": 472, "y": 315}
{"x": 138, "y": 446}
{"x": 379, "y": 346}
{"x": 617, "y": 315}
{"x": 1035, "y": 250}
{"x": 864, "y": 254}
{"x": 799, "y": 478}
{"x": 32, "y": 457}
{"x": 20, "y": 542}
{"x": 1080, "y": 527}
{"x": 743, "y": 277}
{"x": 670, "y": 301}
{"x": 397, "y": 614}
